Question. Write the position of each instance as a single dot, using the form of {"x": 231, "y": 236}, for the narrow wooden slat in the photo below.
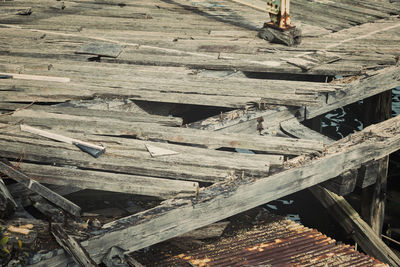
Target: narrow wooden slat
{"x": 40, "y": 189}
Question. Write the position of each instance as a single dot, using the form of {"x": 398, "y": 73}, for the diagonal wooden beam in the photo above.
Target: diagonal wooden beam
{"x": 224, "y": 200}
{"x": 353, "y": 224}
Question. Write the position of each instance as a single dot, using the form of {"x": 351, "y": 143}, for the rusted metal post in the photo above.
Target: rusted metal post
{"x": 280, "y": 29}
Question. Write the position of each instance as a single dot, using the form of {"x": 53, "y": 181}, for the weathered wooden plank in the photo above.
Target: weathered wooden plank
{"x": 73, "y": 248}
{"x": 132, "y": 184}
{"x": 341, "y": 185}
{"x": 351, "y": 221}
{"x": 223, "y": 200}
{"x": 20, "y": 177}
{"x": 375, "y": 83}
{"x": 277, "y": 145}
{"x": 86, "y": 112}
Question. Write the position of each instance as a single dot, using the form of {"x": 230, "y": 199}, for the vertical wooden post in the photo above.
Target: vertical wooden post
{"x": 376, "y": 109}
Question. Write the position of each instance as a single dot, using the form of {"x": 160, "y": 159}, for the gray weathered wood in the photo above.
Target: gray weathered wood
{"x": 273, "y": 145}
{"x": 132, "y": 184}
{"x": 35, "y": 186}
{"x": 73, "y": 248}
{"x": 341, "y": 185}
{"x": 368, "y": 174}
{"x": 224, "y": 200}
{"x": 351, "y": 221}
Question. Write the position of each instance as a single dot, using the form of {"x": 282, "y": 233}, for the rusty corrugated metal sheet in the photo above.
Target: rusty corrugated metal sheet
{"x": 278, "y": 243}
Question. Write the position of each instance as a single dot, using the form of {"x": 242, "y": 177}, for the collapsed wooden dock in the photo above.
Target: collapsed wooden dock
{"x": 172, "y": 90}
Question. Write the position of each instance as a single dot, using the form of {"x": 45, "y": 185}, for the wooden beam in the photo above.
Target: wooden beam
{"x": 373, "y": 198}
{"x": 351, "y": 221}
{"x": 341, "y": 185}
{"x": 35, "y": 186}
{"x": 108, "y": 181}
{"x": 224, "y": 200}
{"x": 73, "y": 248}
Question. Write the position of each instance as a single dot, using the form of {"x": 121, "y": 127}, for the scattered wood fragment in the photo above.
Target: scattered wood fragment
{"x": 35, "y": 186}
{"x": 159, "y": 152}
{"x": 18, "y": 230}
{"x": 37, "y": 77}
{"x": 351, "y": 221}
{"x": 73, "y": 248}
{"x": 89, "y": 148}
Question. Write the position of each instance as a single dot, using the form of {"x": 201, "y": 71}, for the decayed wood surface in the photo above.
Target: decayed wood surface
{"x": 132, "y": 157}
{"x": 168, "y": 44}
{"x": 73, "y": 247}
{"x": 96, "y": 113}
{"x": 354, "y": 225}
{"x": 143, "y": 131}
{"x": 226, "y": 199}
{"x": 132, "y": 184}
{"x": 35, "y": 186}
{"x": 341, "y": 185}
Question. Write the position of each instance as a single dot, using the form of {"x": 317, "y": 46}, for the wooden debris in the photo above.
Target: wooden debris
{"x": 73, "y": 248}
{"x": 159, "y": 152}
{"x": 7, "y": 202}
{"x": 91, "y": 149}
{"x": 37, "y": 77}
{"x": 33, "y": 185}
{"x": 19, "y": 230}
{"x": 213, "y": 204}
{"x": 54, "y": 214}
{"x": 351, "y": 221}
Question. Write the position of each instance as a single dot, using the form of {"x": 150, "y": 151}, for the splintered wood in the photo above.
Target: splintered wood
{"x": 180, "y": 102}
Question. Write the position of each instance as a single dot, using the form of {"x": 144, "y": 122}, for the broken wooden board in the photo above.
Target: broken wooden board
{"x": 127, "y": 116}
{"x": 226, "y": 199}
{"x": 93, "y": 150}
{"x": 143, "y": 131}
{"x": 108, "y": 181}
{"x": 183, "y": 166}
{"x": 159, "y": 152}
{"x": 73, "y": 247}
{"x": 35, "y": 186}
{"x": 354, "y": 225}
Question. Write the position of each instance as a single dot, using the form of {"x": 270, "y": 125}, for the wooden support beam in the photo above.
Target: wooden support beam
{"x": 352, "y": 223}
{"x": 224, "y": 200}
{"x": 35, "y": 186}
{"x": 73, "y": 248}
{"x": 341, "y": 185}
{"x": 377, "y": 108}
{"x": 374, "y": 199}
